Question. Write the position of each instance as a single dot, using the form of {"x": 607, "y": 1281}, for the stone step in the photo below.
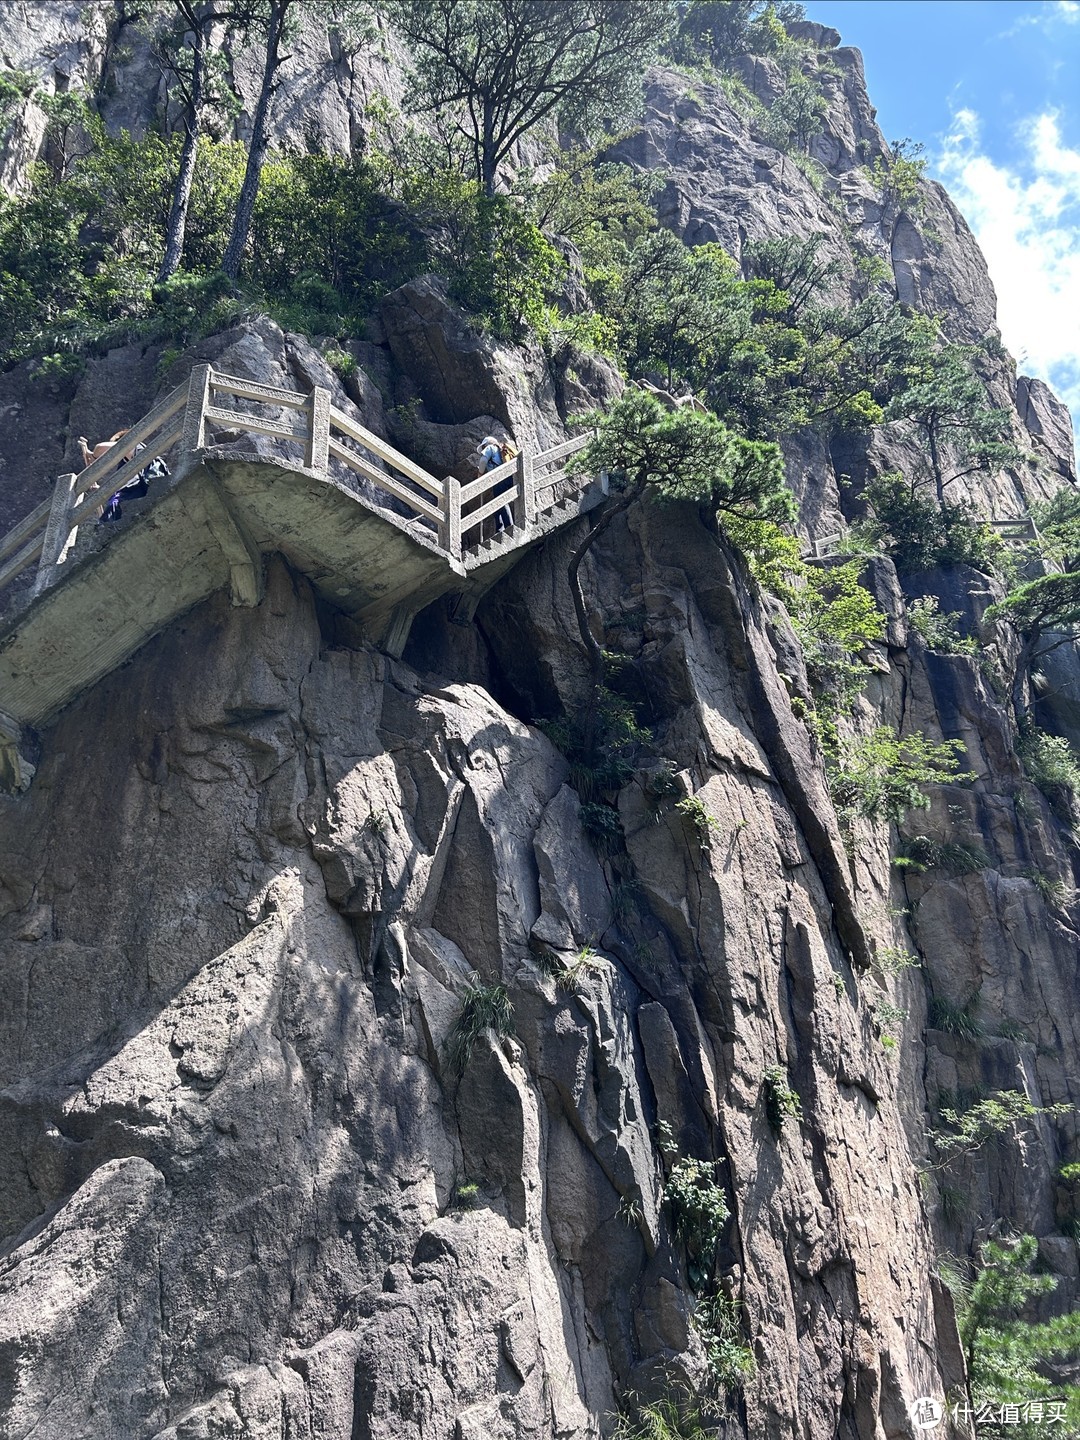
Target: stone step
{"x": 565, "y": 509}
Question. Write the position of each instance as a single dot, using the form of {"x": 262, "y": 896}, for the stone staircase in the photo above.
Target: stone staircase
{"x": 378, "y": 537}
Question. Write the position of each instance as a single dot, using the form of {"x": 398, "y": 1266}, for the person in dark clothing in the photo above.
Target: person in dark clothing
{"x": 494, "y": 453}
{"x": 135, "y": 488}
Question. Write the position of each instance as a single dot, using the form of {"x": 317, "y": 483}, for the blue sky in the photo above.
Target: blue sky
{"x": 992, "y": 89}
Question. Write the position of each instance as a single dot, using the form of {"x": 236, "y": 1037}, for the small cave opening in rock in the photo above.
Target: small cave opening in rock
{"x": 504, "y": 659}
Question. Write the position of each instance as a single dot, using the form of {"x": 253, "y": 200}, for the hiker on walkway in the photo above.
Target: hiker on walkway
{"x": 90, "y": 455}
{"x": 135, "y": 488}
{"x": 494, "y": 453}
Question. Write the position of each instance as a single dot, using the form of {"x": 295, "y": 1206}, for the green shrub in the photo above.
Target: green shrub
{"x": 500, "y": 265}
{"x": 899, "y": 178}
{"x": 1058, "y": 523}
{"x": 895, "y": 959}
{"x": 607, "y": 763}
{"x": 1049, "y": 762}
{"x": 660, "y": 785}
{"x": 167, "y": 359}
{"x": 603, "y": 827}
{"x": 918, "y": 532}
{"x": 15, "y": 87}
{"x": 881, "y": 776}
{"x": 719, "y": 32}
{"x": 781, "y": 1102}
{"x": 699, "y": 1212}
{"x": 330, "y": 235}
{"x": 188, "y": 306}
{"x": 509, "y": 269}
{"x": 957, "y": 857}
{"x": 990, "y": 1119}
{"x": 834, "y": 616}
{"x": 466, "y": 1196}
{"x": 693, "y": 811}
{"x": 485, "y": 1007}
{"x": 340, "y": 361}
{"x": 665, "y": 1139}
{"x": 51, "y": 368}
{"x": 730, "y": 1360}
{"x": 887, "y": 1015}
{"x": 956, "y": 1019}
{"x": 940, "y": 631}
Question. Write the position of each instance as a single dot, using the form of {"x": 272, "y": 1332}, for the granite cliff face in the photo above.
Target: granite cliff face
{"x": 246, "y": 1192}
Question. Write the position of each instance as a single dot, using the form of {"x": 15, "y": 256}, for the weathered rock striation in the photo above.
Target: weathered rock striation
{"x": 245, "y": 1188}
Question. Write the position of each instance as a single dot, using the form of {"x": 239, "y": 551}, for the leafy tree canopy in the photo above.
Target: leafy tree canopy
{"x": 945, "y": 399}
{"x": 1058, "y": 521}
{"x": 492, "y": 70}
{"x": 1046, "y": 614}
{"x": 794, "y": 266}
{"x": 687, "y": 456}
{"x": 1049, "y": 603}
{"x": 723, "y": 30}
{"x": 919, "y": 532}
{"x": 768, "y": 354}
{"x": 1006, "y": 1355}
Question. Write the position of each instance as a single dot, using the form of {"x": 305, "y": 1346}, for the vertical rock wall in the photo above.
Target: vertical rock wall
{"x": 245, "y": 1190}
{"x": 240, "y": 926}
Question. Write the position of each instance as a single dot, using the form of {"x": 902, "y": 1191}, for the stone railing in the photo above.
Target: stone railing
{"x": 317, "y": 432}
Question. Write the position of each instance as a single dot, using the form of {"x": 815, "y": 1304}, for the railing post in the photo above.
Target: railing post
{"x": 524, "y": 507}
{"x": 450, "y": 530}
{"x": 58, "y": 533}
{"x": 193, "y": 434}
{"x": 318, "y": 445}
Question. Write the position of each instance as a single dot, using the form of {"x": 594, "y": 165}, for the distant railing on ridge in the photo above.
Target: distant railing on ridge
{"x": 179, "y": 422}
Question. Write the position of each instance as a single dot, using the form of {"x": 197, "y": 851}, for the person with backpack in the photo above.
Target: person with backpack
{"x": 90, "y": 453}
{"x": 494, "y": 453}
{"x": 135, "y": 488}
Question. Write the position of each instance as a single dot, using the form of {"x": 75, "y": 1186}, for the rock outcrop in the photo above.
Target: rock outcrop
{"x": 256, "y": 1184}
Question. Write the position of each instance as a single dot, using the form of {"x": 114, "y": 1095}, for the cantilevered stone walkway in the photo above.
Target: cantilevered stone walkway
{"x": 379, "y": 556}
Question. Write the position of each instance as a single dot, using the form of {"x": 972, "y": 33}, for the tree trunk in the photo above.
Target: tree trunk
{"x": 177, "y": 224}
{"x": 935, "y": 461}
{"x": 1020, "y": 680}
{"x": 487, "y": 153}
{"x": 260, "y": 142}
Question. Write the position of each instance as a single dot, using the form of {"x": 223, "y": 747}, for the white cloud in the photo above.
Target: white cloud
{"x": 1046, "y": 15}
{"x": 1026, "y": 219}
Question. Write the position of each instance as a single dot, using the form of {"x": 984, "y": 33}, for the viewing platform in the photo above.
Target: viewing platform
{"x": 379, "y": 552}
